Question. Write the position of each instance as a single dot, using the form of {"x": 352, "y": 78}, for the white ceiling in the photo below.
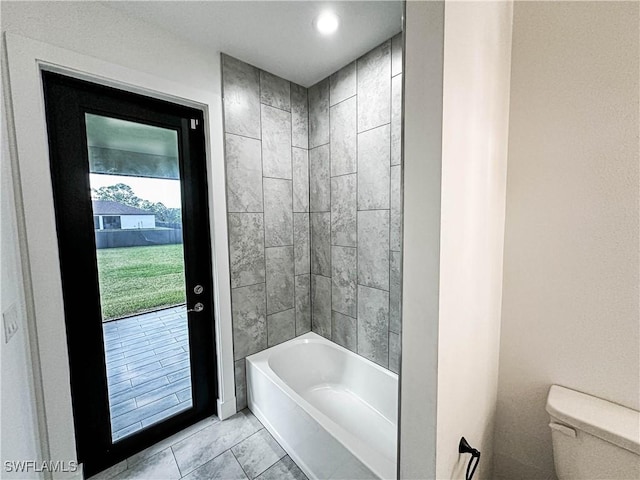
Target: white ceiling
{"x": 277, "y": 36}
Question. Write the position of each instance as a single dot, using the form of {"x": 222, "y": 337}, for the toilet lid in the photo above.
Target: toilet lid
{"x": 606, "y": 420}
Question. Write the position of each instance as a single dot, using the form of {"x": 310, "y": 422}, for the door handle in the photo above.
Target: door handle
{"x": 197, "y": 308}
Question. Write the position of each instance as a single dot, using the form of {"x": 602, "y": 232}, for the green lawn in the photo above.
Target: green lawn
{"x": 136, "y": 279}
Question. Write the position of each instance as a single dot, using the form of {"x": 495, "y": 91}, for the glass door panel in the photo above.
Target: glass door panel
{"x": 136, "y": 198}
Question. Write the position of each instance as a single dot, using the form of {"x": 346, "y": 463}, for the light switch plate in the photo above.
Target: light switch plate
{"x": 10, "y": 321}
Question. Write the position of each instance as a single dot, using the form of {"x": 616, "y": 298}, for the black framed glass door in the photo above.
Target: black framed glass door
{"x": 130, "y": 197}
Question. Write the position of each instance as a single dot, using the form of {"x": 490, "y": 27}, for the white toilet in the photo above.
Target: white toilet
{"x": 593, "y": 439}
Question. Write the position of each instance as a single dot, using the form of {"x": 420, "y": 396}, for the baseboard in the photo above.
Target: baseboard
{"x": 227, "y": 408}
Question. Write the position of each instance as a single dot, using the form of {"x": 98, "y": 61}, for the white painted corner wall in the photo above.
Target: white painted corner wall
{"x": 422, "y": 155}
{"x": 457, "y": 68}
{"x": 93, "y": 42}
{"x": 20, "y": 436}
{"x": 477, "y": 64}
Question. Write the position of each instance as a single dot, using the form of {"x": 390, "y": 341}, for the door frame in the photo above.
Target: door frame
{"x": 25, "y": 59}
{"x": 68, "y": 101}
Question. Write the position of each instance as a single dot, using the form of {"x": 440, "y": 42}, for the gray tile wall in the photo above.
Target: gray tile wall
{"x": 314, "y": 201}
{"x": 355, "y": 169}
{"x": 267, "y": 163}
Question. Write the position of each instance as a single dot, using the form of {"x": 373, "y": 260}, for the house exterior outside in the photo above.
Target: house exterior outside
{"x": 110, "y": 215}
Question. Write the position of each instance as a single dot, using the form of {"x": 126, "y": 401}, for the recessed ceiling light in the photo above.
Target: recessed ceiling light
{"x": 327, "y": 23}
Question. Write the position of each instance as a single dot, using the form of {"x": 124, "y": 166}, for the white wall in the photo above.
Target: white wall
{"x": 570, "y": 300}
{"x": 422, "y": 132}
{"x": 105, "y": 35}
{"x": 477, "y": 56}
{"x": 453, "y": 231}
{"x": 20, "y": 435}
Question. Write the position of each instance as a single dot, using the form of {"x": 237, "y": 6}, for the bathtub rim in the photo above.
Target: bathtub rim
{"x": 348, "y": 440}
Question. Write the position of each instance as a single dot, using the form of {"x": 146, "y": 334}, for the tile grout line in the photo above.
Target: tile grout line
{"x": 357, "y": 348}
{"x": 244, "y": 136}
{"x": 264, "y": 233}
{"x": 237, "y": 461}
{"x": 174, "y": 459}
{"x": 330, "y": 166}
{"x": 390, "y": 200}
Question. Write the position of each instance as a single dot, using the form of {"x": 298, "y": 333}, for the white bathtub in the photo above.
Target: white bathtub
{"x": 334, "y": 412}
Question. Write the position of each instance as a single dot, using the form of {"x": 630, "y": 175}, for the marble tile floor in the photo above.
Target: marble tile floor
{"x": 148, "y": 373}
{"x": 236, "y": 448}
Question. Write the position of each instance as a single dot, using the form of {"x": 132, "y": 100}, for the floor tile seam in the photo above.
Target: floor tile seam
{"x": 146, "y": 404}
{"x": 200, "y": 466}
{"x": 158, "y": 399}
{"x": 129, "y": 398}
{"x": 150, "y": 352}
{"x": 154, "y": 358}
{"x": 192, "y": 434}
{"x": 279, "y": 458}
{"x": 232, "y": 446}
{"x": 146, "y": 373}
{"x": 125, "y": 333}
{"x": 152, "y": 415}
{"x": 175, "y": 460}
{"x": 243, "y": 439}
{"x": 129, "y": 466}
{"x": 238, "y": 461}
{"x": 171, "y": 444}
{"x": 187, "y": 404}
{"x": 138, "y": 340}
{"x": 121, "y": 350}
{"x": 186, "y": 344}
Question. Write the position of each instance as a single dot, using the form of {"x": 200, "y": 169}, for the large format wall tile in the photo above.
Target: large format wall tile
{"x": 300, "y": 180}
{"x": 276, "y": 142}
{"x": 396, "y": 120}
{"x": 343, "y": 84}
{"x": 343, "y": 137}
{"x": 319, "y": 179}
{"x": 274, "y": 91}
{"x": 345, "y": 234}
{"x": 299, "y": 117}
{"x": 241, "y": 384}
{"x": 373, "y": 248}
{"x": 280, "y": 279}
{"x": 319, "y": 114}
{"x": 241, "y": 92}
{"x": 374, "y": 87}
{"x": 303, "y": 304}
{"x": 395, "y": 293}
{"x": 344, "y": 275}
{"x": 343, "y": 210}
{"x": 373, "y": 325}
{"x": 301, "y": 243}
{"x": 321, "y": 305}
{"x": 281, "y": 326}
{"x": 278, "y": 214}
{"x": 321, "y": 244}
{"x": 373, "y": 168}
{"x": 394, "y": 352}
{"x": 244, "y": 174}
{"x": 246, "y": 248}
{"x": 249, "y": 311}
{"x": 396, "y": 210}
{"x": 343, "y": 331}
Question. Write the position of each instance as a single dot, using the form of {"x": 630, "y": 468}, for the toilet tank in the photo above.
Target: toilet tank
{"x": 593, "y": 438}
